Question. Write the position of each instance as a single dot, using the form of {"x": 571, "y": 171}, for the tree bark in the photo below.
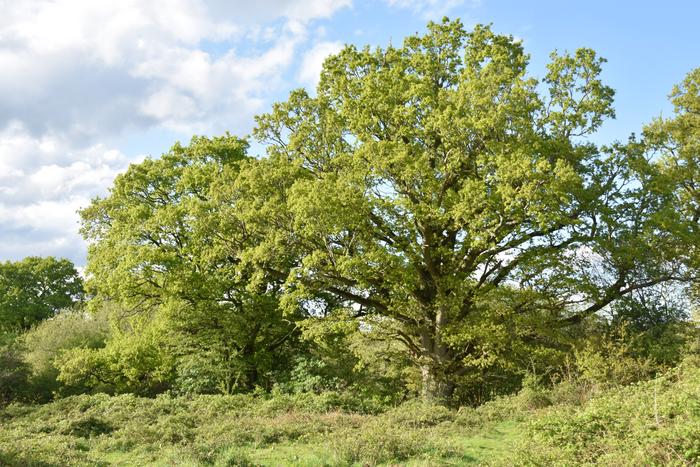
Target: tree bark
{"x": 437, "y": 383}
{"x": 436, "y": 387}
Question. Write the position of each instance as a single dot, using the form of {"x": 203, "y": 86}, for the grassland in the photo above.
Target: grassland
{"x": 652, "y": 423}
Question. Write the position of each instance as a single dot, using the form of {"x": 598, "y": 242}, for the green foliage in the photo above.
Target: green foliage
{"x": 376, "y": 443}
{"x": 30, "y": 361}
{"x": 678, "y": 144}
{"x": 617, "y": 353}
{"x": 607, "y": 361}
{"x": 348, "y": 355}
{"x": 441, "y": 189}
{"x": 163, "y": 245}
{"x": 434, "y": 219}
{"x": 14, "y": 371}
{"x": 88, "y": 427}
{"x": 222, "y": 430}
{"x": 45, "y": 345}
{"x": 132, "y": 360}
{"x": 433, "y": 222}
{"x": 655, "y": 422}
{"x": 34, "y": 289}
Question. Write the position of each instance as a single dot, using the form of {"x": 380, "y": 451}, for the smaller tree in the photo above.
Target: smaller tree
{"x": 36, "y": 288}
{"x": 163, "y": 245}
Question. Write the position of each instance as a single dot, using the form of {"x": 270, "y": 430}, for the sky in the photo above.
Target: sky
{"x": 89, "y": 86}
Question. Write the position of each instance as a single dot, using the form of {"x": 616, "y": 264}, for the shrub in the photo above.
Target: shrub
{"x": 44, "y": 345}
{"x": 88, "y": 426}
{"x": 418, "y": 414}
{"x": 14, "y": 371}
{"x": 375, "y": 443}
{"x": 655, "y": 422}
{"x": 130, "y": 362}
{"x": 234, "y": 457}
{"x": 533, "y": 394}
{"x": 610, "y": 363}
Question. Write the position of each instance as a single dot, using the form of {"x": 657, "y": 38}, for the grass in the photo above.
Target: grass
{"x": 241, "y": 430}
{"x": 651, "y": 423}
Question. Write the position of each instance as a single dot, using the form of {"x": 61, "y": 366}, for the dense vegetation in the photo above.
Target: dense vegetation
{"x": 432, "y": 253}
{"x": 656, "y": 422}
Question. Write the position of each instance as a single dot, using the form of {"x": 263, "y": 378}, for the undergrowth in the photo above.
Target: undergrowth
{"x": 655, "y": 422}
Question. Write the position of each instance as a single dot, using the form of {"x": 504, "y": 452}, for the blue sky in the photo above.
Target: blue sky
{"x": 89, "y": 86}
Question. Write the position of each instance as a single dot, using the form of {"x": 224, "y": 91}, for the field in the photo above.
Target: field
{"x": 652, "y": 423}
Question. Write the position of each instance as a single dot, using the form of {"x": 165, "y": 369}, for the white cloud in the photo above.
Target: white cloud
{"x": 312, "y": 63}
{"x": 43, "y": 182}
{"x": 78, "y": 75}
{"x": 92, "y": 68}
{"x": 43, "y": 228}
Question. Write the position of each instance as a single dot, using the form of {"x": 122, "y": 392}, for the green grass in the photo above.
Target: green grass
{"x": 492, "y": 442}
{"x": 235, "y": 430}
{"x": 651, "y": 423}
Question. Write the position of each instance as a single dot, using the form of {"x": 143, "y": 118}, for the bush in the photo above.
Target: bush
{"x": 655, "y": 422}
{"x": 200, "y": 373}
{"x": 375, "y": 443}
{"x": 610, "y": 363}
{"x": 417, "y": 414}
{"x": 88, "y": 426}
{"x": 533, "y": 395}
{"x": 14, "y": 371}
{"x": 45, "y": 344}
{"x": 130, "y": 362}
{"x": 234, "y": 457}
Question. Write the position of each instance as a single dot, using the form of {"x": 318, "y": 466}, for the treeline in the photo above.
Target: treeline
{"x": 433, "y": 222}
{"x": 80, "y": 350}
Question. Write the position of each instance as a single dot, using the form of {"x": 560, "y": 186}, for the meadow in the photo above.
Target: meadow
{"x": 655, "y": 422}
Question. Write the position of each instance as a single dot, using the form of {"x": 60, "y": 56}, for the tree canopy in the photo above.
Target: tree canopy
{"x": 442, "y": 187}
{"x": 163, "y": 246}
{"x": 437, "y": 193}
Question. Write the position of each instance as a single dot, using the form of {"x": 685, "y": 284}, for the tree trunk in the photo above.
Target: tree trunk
{"x": 437, "y": 388}
{"x": 437, "y": 384}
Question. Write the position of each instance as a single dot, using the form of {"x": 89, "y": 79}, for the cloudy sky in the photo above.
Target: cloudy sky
{"x": 89, "y": 86}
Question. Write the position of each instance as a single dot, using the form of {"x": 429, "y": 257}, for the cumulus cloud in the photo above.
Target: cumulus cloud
{"x": 133, "y": 63}
{"x": 43, "y": 182}
{"x": 79, "y": 74}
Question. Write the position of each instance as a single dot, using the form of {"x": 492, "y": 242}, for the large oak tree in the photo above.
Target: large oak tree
{"x": 436, "y": 191}
{"x": 442, "y": 190}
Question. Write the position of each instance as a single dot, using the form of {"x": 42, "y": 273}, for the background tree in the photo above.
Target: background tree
{"x": 34, "y": 289}
{"x": 435, "y": 186}
{"x": 14, "y": 371}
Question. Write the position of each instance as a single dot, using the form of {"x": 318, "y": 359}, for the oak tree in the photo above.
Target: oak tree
{"x": 163, "y": 245}
{"x": 459, "y": 202}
